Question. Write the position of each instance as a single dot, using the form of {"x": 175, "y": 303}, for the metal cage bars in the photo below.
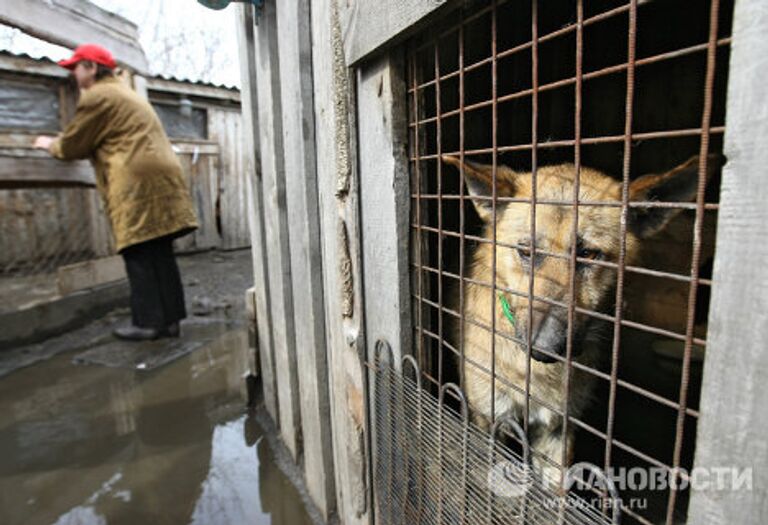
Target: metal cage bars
{"x": 418, "y": 121}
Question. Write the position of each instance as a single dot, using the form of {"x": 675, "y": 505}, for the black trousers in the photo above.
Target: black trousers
{"x": 157, "y": 295}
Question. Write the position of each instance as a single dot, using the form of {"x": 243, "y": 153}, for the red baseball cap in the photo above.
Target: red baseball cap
{"x": 90, "y": 52}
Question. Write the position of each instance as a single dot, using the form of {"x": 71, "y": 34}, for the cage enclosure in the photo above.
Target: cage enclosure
{"x": 564, "y": 168}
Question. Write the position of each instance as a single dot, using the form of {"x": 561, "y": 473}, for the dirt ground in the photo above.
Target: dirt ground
{"x": 217, "y": 281}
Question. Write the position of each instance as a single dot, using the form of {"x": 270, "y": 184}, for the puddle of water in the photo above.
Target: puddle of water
{"x": 98, "y": 445}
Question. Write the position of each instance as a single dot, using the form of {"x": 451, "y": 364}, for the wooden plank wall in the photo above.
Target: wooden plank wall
{"x": 200, "y": 163}
{"x": 294, "y": 44}
{"x": 58, "y": 225}
{"x": 338, "y": 190}
{"x": 231, "y": 203}
{"x": 732, "y": 426}
{"x": 276, "y": 228}
{"x": 252, "y": 156}
{"x": 214, "y": 169}
{"x": 29, "y": 168}
{"x": 304, "y": 197}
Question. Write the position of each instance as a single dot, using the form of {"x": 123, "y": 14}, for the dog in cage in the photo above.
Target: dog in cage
{"x": 546, "y": 261}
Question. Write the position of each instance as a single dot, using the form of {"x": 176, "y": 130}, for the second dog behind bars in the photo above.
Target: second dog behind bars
{"x": 598, "y": 240}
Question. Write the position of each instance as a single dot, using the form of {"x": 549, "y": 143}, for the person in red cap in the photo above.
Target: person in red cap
{"x": 141, "y": 184}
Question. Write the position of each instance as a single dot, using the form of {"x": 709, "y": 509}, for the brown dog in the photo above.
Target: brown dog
{"x": 598, "y": 239}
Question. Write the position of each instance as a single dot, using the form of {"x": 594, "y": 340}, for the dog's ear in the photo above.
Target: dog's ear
{"x": 479, "y": 178}
{"x": 677, "y": 185}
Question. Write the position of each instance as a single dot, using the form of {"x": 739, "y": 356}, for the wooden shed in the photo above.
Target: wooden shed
{"x": 204, "y": 124}
{"x": 363, "y": 239}
{"x": 51, "y": 207}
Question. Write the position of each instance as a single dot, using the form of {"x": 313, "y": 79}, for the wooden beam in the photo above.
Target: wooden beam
{"x": 385, "y": 203}
{"x": 370, "y": 25}
{"x": 295, "y": 48}
{"x": 72, "y": 22}
{"x": 195, "y": 148}
{"x": 734, "y": 420}
{"x": 385, "y": 211}
{"x": 25, "y": 168}
{"x": 13, "y": 142}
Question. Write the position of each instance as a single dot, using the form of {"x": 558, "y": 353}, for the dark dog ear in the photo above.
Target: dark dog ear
{"x": 677, "y": 185}
{"x": 479, "y": 179}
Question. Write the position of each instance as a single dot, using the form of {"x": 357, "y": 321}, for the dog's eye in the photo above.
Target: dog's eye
{"x": 589, "y": 253}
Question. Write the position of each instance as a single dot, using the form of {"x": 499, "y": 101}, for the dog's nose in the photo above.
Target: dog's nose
{"x": 549, "y": 333}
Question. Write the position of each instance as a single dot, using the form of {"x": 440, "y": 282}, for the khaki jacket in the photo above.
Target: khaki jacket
{"x": 137, "y": 173}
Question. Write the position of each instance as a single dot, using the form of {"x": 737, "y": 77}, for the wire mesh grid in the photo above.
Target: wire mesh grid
{"x": 561, "y": 243}
{"x": 45, "y": 229}
{"x": 435, "y": 466}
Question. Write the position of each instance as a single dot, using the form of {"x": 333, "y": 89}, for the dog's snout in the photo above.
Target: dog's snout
{"x": 548, "y": 334}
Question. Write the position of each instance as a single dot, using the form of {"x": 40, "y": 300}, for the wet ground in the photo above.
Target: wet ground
{"x": 117, "y": 433}
{"x": 214, "y": 285}
{"x": 92, "y": 444}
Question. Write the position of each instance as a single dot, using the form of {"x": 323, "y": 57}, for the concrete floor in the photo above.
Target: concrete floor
{"x": 96, "y": 431}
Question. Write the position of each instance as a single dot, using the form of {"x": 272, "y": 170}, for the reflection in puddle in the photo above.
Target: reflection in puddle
{"x": 97, "y": 445}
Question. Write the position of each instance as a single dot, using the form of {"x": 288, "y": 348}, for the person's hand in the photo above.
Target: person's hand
{"x": 44, "y": 142}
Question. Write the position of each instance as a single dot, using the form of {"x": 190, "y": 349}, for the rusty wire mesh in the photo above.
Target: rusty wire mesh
{"x": 623, "y": 87}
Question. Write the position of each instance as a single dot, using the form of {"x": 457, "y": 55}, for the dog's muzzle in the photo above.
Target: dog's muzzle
{"x": 550, "y": 335}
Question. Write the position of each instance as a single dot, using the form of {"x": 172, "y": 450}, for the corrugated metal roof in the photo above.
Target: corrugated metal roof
{"x": 195, "y": 82}
{"x": 171, "y": 78}
{"x": 27, "y": 56}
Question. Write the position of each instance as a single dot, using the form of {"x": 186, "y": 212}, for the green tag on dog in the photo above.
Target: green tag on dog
{"x": 506, "y": 309}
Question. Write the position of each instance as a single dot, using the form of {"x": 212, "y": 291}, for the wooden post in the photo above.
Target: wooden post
{"x": 295, "y": 49}
{"x": 249, "y": 101}
{"x": 385, "y": 211}
{"x": 140, "y": 86}
{"x": 276, "y": 227}
{"x": 385, "y": 203}
{"x": 734, "y": 420}
{"x": 340, "y": 230}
